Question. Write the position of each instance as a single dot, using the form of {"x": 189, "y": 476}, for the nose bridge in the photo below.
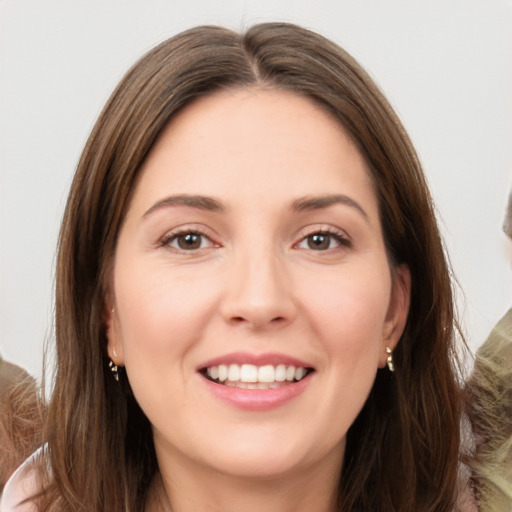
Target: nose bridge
{"x": 259, "y": 291}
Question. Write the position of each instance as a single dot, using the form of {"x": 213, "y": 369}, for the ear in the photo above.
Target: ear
{"x": 111, "y": 323}
{"x": 398, "y": 310}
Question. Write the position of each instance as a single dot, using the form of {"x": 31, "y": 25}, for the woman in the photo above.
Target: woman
{"x": 253, "y": 307}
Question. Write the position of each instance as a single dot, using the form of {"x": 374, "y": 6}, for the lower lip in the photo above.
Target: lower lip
{"x": 257, "y": 399}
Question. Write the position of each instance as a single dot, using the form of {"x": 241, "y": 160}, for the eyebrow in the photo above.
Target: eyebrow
{"x": 318, "y": 202}
{"x": 199, "y": 202}
{"x": 301, "y": 204}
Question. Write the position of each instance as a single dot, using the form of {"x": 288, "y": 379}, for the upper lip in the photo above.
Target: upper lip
{"x": 272, "y": 358}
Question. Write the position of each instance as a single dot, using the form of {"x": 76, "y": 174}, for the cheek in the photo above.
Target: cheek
{"x": 161, "y": 311}
{"x": 162, "y": 315}
{"x": 348, "y": 312}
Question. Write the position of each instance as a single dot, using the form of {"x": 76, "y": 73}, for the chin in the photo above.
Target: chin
{"x": 260, "y": 466}
{"x": 269, "y": 457}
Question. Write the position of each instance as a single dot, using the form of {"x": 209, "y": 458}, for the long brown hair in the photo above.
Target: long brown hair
{"x": 402, "y": 450}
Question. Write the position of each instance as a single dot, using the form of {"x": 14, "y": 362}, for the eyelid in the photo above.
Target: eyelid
{"x": 184, "y": 229}
{"x": 342, "y": 237}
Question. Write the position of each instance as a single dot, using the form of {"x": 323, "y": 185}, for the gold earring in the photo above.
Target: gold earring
{"x": 389, "y": 360}
{"x": 114, "y": 370}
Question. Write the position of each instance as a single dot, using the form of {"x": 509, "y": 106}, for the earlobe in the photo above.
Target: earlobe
{"x": 398, "y": 310}
{"x": 114, "y": 346}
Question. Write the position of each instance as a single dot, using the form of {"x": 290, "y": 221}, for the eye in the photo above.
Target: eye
{"x": 322, "y": 241}
{"x": 188, "y": 241}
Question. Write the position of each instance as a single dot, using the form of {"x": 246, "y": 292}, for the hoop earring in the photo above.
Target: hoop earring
{"x": 389, "y": 360}
{"x": 114, "y": 370}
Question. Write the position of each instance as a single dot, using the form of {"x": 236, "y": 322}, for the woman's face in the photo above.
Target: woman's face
{"x": 253, "y": 296}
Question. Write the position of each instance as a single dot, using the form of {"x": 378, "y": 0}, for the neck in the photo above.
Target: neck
{"x": 204, "y": 490}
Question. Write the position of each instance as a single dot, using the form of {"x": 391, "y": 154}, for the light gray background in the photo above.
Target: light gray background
{"x": 446, "y": 66}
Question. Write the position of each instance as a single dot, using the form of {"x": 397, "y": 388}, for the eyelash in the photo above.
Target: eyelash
{"x": 168, "y": 239}
{"x": 341, "y": 239}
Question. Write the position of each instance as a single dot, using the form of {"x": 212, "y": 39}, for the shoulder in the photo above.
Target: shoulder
{"x": 23, "y": 484}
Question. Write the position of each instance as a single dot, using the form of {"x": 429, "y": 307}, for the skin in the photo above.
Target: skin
{"x": 256, "y": 283}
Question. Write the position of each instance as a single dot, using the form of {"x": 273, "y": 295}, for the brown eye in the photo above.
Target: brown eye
{"x": 319, "y": 241}
{"x": 188, "y": 241}
{"x": 323, "y": 241}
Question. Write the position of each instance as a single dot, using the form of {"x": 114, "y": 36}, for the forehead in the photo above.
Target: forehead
{"x": 257, "y": 142}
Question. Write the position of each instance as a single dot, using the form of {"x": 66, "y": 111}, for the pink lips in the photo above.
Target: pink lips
{"x": 256, "y": 399}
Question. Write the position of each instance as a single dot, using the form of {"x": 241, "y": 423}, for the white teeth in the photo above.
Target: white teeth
{"x": 253, "y": 385}
{"x": 249, "y": 373}
{"x": 223, "y": 372}
{"x": 249, "y": 376}
{"x": 280, "y": 373}
{"x": 299, "y": 373}
{"x": 266, "y": 373}
{"x": 234, "y": 372}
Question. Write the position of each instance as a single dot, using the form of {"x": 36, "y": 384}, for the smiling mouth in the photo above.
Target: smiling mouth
{"x": 249, "y": 376}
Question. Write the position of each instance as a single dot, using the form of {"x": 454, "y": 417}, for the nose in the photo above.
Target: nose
{"x": 259, "y": 292}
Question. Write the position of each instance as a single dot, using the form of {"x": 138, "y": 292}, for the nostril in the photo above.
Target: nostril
{"x": 242, "y": 320}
